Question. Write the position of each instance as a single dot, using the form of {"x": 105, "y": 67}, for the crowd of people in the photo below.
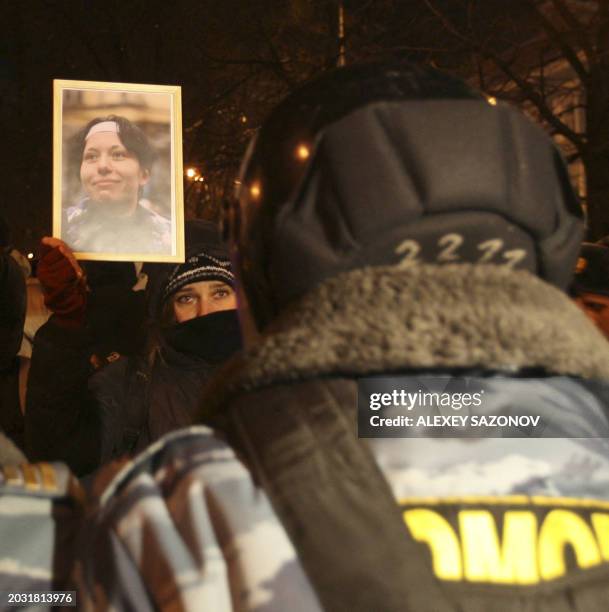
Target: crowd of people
{"x": 191, "y": 442}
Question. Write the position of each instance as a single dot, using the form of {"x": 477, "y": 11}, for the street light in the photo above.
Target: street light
{"x": 191, "y": 172}
{"x": 302, "y": 152}
{"x": 255, "y": 190}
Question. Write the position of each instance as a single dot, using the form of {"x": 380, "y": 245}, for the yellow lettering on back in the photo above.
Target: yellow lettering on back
{"x": 434, "y": 530}
{"x": 562, "y": 527}
{"x": 520, "y": 554}
{"x": 600, "y": 522}
{"x": 486, "y": 560}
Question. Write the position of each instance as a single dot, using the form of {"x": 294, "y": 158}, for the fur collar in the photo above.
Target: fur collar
{"x": 389, "y": 319}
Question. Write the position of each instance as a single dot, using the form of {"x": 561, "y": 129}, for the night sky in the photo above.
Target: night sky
{"x": 234, "y": 60}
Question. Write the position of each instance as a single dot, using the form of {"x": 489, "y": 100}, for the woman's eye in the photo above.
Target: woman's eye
{"x": 221, "y": 294}
{"x": 184, "y": 299}
{"x": 90, "y": 157}
{"x": 118, "y": 155}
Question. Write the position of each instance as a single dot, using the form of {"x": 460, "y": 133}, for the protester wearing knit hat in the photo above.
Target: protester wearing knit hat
{"x": 206, "y": 260}
{"x": 193, "y": 328}
{"x": 122, "y": 407}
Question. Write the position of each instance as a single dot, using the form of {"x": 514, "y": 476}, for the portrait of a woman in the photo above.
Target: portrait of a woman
{"x": 114, "y": 160}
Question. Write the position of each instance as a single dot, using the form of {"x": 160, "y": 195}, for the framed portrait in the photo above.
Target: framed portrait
{"x": 117, "y": 171}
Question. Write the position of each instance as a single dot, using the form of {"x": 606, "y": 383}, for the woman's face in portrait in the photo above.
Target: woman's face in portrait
{"x": 202, "y": 298}
{"x": 110, "y": 173}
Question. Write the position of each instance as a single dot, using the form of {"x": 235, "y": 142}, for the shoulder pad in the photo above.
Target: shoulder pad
{"x": 172, "y": 447}
{"x": 49, "y": 480}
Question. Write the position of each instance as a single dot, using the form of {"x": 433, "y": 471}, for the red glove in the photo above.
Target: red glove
{"x": 64, "y": 283}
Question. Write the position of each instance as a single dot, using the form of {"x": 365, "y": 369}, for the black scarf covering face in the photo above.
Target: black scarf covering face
{"x": 192, "y": 350}
{"x": 213, "y": 338}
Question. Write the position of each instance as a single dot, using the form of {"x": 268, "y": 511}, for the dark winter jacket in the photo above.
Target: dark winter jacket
{"x": 62, "y": 419}
{"x": 61, "y": 422}
{"x": 88, "y": 418}
{"x": 41, "y": 505}
{"x": 12, "y": 319}
{"x": 138, "y": 404}
{"x": 142, "y": 398}
{"x": 489, "y": 524}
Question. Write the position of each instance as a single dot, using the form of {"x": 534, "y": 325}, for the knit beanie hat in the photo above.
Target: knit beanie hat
{"x": 199, "y": 267}
{"x": 206, "y": 259}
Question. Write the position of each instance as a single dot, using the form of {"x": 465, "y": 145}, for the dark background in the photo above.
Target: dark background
{"x": 236, "y": 59}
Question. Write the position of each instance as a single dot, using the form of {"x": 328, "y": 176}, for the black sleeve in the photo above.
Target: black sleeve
{"x": 12, "y": 310}
{"x": 12, "y": 317}
{"x": 62, "y": 420}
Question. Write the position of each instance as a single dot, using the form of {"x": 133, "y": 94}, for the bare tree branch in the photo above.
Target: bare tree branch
{"x": 528, "y": 91}
{"x": 559, "y": 38}
{"x": 277, "y": 65}
{"x": 223, "y": 94}
{"x": 533, "y": 96}
{"x": 446, "y": 22}
{"x": 579, "y": 29}
{"x": 239, "y": 61}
